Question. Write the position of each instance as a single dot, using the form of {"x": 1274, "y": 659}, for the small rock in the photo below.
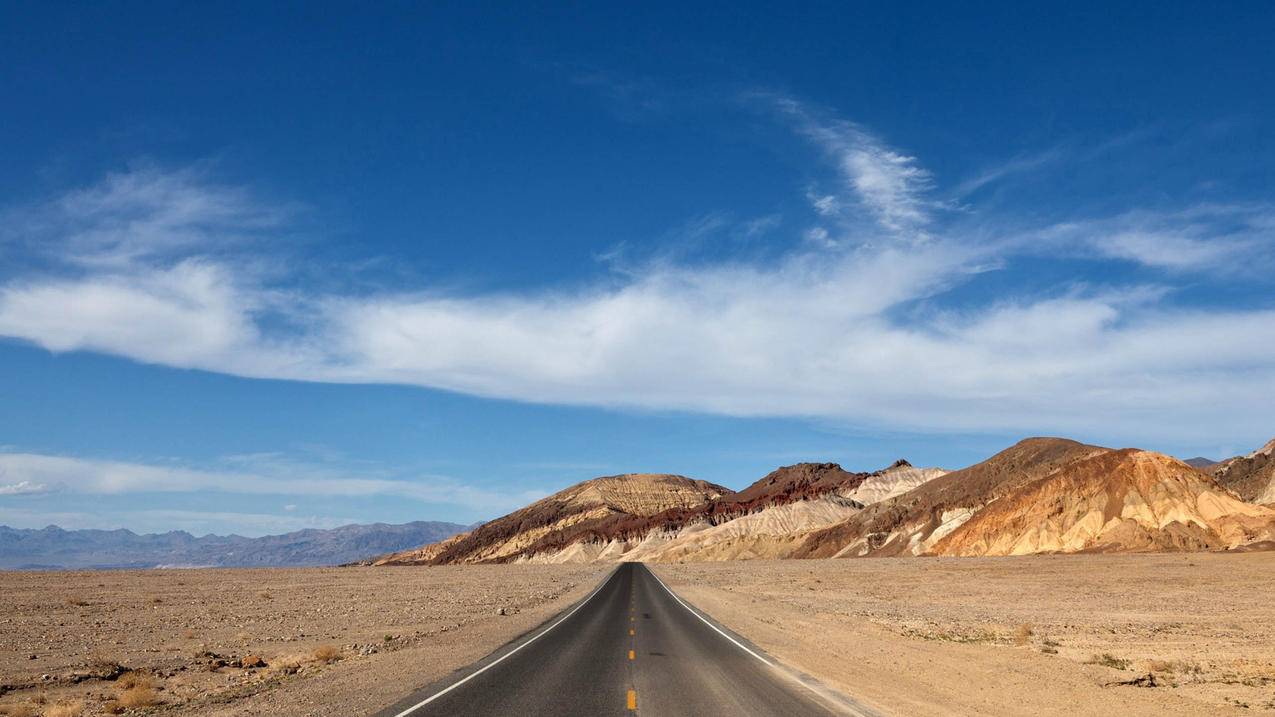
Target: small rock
{"x": 252, "y": 662}
{"x": 502, "y": 611}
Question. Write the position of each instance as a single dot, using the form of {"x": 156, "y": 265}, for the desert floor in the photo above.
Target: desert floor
{"x": 1004, "y": 636}
{"x": 340, "y": 641}
{"x": 1047, "y": 635}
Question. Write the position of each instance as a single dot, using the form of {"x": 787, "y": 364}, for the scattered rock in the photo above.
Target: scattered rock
{"x": 1147, "y": 680}
{"x": 252, "y": 662}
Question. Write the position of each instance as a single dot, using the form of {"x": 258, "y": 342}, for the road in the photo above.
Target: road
{"x": 630, "y": 647}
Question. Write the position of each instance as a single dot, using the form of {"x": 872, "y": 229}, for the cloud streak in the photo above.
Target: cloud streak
{"x": 101, "y": 477}
{"x": 852, "y": 327}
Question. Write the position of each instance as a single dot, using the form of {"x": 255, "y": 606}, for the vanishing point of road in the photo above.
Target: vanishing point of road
{"x": 630, "y": 647}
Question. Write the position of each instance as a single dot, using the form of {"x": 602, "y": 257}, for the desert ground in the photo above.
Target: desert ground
{"x": 1049, "y": 635}
{"x": 340, "y": 641}
{"x": 1045, "y": 635}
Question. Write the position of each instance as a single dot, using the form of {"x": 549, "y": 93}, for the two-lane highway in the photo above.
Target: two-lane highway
{"x": 630, "y": 647}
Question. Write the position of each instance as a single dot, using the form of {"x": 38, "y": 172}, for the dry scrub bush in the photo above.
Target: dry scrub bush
{"x": 139, "y": 696}
{"x": 1107, "y": 659}
{"x": 289, "y": 664}
{"x": 326, "y": 653}
{"x": 1178, "y": 666}
{"x": 18, "y": 709}
{"x": 1023, "y": 634}
{"x": 65, "y": 709}
{"x": 129, "y": 680}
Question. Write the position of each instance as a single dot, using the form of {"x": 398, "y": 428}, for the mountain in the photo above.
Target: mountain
{"x": 1046, "y": 495}
{"x": 910, "y": 523}
{"x": 55, "y": 548}
{"x": 1251, "y": 477}
{"x": 1200, "y": 462}
{"x": 763, "y": 520}
{"x": 1120, "y": 501}
{"x": 581, "y": 510}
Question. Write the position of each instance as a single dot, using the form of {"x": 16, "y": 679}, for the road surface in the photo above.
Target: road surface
{"x": 631, "y": 647}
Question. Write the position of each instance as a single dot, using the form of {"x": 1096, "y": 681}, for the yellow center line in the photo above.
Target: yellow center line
{"x": 632, "y": 700}
{"x": 632, "y": 631}
{"x": 631, "y": 655}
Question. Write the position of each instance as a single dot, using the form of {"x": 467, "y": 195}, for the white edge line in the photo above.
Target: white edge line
{"x": 509, "y": 654}
{"x": 737, "y": 643}
{"x": 706, "y": 622}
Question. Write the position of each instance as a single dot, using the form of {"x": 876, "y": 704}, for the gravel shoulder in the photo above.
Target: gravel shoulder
{"x": 337, "y": 641}
{"x": 1045, "y": 635}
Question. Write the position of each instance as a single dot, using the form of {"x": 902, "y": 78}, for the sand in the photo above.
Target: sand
{"x": 1012, "y": 636}
{"x": 395, "y": 629}
{"x": 910, "y": 636}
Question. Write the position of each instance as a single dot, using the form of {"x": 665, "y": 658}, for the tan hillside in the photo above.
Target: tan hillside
{"x": 643, "y": 517}
{"x": 766, "y": 520}
{"x": 910, "y": 523}
{"x": 612, "y": 540}
{"x": 1251, "y": 477}
{"x": 1120, "y": 501}
{"x": 595, "y": 502}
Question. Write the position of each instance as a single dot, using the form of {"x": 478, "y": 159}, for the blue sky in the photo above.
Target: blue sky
{"x": 269, "y": 268}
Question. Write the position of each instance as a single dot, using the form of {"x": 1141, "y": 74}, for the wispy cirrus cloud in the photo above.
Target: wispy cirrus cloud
{"x": 1233, "y": 238}
{"x": 24, "y": 487}
{"x": 198, "y": 522}
{"x": 891, "y": 185}
{"x": 850, "y": 325}
{"x": 105, "y": 477}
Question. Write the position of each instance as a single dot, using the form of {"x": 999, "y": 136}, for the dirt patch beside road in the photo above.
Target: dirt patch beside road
{"x": 250, "y": 642}
{"x": 1043, "y": 635}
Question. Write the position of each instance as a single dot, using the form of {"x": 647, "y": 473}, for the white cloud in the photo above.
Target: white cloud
{"x": 842, "y": 328}
{"x": 1230, "y": 238}
{"x": 160, "y": 521}
{"x": 100, "y": 477}
{"x": 890, "y": 184}
{"x": 24, "y": 487}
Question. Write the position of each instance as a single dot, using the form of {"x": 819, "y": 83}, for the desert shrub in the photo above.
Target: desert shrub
{"x": 65, "y": 708}
{"x": 326, "y": 653}
{"x": 1023, "y": 634}
{"x": 130, "y": 680}
{"x": 1178, "y": 666}
{"x": 18, "y": 709}
{"x": 1107, "y": 659}
{"x": 138, "y": 696}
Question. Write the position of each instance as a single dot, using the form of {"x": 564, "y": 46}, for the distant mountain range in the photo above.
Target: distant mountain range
{"x": 55, "y": 548}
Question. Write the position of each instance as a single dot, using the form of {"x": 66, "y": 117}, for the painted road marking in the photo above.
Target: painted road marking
{"x": 632, "y": 700}
{"x": 631, "y": 654}
{"x": 768, "y": 663}
{"x": 509, "y": 654}
{"x": 632, "y": 632}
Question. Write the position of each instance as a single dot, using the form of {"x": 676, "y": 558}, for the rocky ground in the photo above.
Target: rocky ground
{"x": 254, "y": 642}
{"x": 1190, "y": 634}
{"x": 1181, "y": 634}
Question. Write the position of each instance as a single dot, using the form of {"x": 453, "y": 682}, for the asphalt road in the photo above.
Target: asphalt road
{"x": 630, "y": 647}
